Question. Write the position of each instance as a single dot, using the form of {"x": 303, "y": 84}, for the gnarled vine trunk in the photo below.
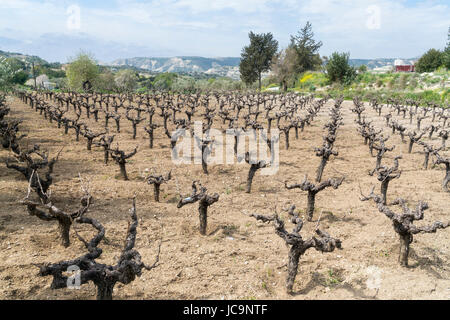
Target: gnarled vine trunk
{"x": 203, "y": 217}
{"x": 310, "y": 205}
{"x": 294, "y": 256}
{"x": 405, "y": 241}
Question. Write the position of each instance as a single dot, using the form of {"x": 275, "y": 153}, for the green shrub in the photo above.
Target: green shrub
{"x": 430, "y": 61}
{"x": 339, "y": 70}
{"x": 379, "y": 83}
{"x": 403, "y": 81}
{"x": 391, "y": 84}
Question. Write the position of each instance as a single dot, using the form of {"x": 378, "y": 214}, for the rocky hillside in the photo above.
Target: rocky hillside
{"x": 22, "y": 57}
{"x": 227, "y": 67}
{"x": 376, "y": 63}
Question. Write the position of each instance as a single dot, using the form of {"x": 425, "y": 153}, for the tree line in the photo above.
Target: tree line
{"x": 302, "y": 54}
{"x": 261, "y": 55}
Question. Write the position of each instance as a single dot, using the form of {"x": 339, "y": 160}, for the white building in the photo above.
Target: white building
{"x": 384, "y": 69}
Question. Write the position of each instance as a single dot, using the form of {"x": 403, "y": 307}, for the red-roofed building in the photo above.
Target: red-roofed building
{"x": 402, "y": 66}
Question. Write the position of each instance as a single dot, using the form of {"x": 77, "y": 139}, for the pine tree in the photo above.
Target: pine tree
{"x": 307, "y": 49}
{"x": 447, "y": 52}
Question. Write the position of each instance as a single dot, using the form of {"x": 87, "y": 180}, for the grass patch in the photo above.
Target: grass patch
{"x": 333, "y": 278}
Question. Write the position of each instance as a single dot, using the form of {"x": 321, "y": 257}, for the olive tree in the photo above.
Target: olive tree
{"x": 257, "y": 57}
{"x": 82, "y": 69}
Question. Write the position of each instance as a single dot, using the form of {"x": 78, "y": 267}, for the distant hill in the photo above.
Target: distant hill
{"x": 226, "y": 67}
{"x": 375, "y": 63}
{"x": 22, "y": 57}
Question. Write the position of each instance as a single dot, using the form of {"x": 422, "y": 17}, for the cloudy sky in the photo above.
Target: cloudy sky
{"x": 57, "y": 30}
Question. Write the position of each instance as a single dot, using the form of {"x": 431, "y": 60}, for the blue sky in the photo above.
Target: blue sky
{"x": 212, "y": 28}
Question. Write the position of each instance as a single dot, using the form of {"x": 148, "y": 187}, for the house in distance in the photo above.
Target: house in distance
{"x": 403, "y": 66}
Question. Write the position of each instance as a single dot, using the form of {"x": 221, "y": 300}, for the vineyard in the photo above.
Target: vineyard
{"x": 358, "y": 208}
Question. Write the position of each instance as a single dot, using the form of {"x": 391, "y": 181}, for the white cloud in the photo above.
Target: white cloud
{"x": 220, "y": 27}
{"x": 404, "y": 30}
